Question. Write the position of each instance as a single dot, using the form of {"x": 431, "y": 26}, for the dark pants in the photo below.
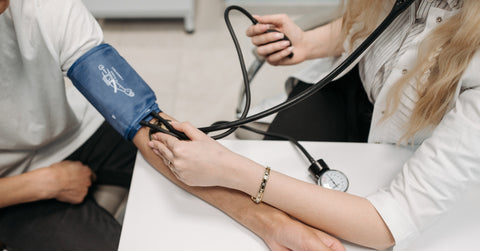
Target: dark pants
{"x": 53, "y": 225}
{"x": 340, "y": 112}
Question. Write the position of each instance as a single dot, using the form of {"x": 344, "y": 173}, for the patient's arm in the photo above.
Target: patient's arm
{"x": 270, "y": 224}
{"x": 66, "y": 181}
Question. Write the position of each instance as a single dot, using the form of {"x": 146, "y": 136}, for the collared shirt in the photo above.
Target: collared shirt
{"x": 380, "y": 70}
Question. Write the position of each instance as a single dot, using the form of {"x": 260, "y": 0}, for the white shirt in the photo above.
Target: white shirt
{"x": 42, "y": 121}
{"x": 446, "y": 159}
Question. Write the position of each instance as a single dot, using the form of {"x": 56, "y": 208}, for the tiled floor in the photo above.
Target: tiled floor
{"x": 196, "y": 76}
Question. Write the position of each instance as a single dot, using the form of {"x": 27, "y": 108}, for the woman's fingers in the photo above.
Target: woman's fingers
{"x": 269, "y": 35}
{"x": 273, "y": 47}
{"x": 161, "y": 150}
{"x": 276, "y": 58}
{"x": 265, "y": 23}
{"x": 275, "y": 20}
{"x": 267, "y": 38}
{"x": 257, "y": 29}
{"x": 165, "y": 144}
{"x": 165, "y": 154}
{"x": 167, "y": 140}
{"x": 192, "y": 132}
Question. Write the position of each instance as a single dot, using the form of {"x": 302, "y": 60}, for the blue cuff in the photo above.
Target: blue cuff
{"x": 114, "y": 88}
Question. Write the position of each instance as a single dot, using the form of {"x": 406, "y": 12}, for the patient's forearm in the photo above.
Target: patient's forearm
{"x": 26, "y": 187}
{"x": 18, "y": 189}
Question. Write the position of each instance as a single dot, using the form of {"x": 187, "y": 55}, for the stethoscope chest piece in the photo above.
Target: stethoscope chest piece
{"x": 328, "y": 178}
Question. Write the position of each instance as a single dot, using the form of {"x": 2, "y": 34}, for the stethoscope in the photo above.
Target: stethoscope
{"x": 324, "y": 176}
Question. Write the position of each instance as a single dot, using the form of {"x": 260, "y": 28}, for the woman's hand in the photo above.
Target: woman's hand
{"x": 204, "y": 162}
{"x": 276, "y": 52}
{"x": 199, "y": 162}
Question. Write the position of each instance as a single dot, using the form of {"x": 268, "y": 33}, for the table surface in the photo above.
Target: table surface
{"x": 162, "y": 216}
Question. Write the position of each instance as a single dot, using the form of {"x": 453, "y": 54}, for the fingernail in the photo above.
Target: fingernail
{"x": 154, "y": 137}
{"x": 285, "y": 43}
{"x": 150, "y": 144}
{"x": 278, "y": 35}
{"x": 290, "y": 48}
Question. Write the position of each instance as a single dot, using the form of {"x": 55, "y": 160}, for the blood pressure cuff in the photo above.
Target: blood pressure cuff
{"x": 113, "y": 87}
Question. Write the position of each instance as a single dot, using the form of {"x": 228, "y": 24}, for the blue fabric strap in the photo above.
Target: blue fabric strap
{"x": 114, "y": 88}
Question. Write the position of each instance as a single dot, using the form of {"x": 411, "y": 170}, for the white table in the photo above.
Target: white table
{"x": 161, "y": 216}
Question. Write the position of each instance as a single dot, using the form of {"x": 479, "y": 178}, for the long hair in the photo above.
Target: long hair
{"x": 442, "y": 58}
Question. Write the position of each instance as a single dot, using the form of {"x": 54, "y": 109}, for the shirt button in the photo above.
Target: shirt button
{"x": 404, "y": 71}
{"x": 439, "y": 19}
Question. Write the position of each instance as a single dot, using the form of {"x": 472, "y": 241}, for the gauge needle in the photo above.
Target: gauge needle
{"x": 333, "y": 181}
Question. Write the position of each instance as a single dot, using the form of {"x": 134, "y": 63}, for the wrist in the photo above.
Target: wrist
{"x": 245, "y": 175}
{"x": 314, "y": 45}
{"x": 310, "y": 47}
{"x": 44, "y": 182}
{"x": 264, "y": 220}
{"x": 323, "y": 41}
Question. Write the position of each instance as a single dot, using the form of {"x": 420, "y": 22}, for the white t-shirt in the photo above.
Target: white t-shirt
{"x": 43, "y": 121}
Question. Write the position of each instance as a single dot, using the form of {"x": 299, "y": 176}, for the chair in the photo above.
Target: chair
{"x": 113, "y": 199}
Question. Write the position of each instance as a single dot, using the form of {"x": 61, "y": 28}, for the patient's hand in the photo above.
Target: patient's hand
{"x": 289, "y": 234}
{"x": 68, "y": 181}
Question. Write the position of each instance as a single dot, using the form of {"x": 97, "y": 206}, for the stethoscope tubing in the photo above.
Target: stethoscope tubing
{"x": 398, "y": 8}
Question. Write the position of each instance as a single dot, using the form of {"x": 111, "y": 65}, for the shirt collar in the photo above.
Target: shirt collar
{"x": 454, "y": 3}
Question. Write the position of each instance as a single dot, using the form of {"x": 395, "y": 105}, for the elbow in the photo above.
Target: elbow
{"x": 384, "y": 245}
{"x": 384, "y": 241}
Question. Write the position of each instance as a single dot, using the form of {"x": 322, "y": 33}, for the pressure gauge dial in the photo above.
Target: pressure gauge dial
{"x": 328, "y": 178}
{"x": 333, "y": 179}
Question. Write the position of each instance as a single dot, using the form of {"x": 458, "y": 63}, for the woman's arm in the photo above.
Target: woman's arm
{"x": 430, "y": 183}
{"x": 317, "y": 43}
{"x": 270, "y": 224}
{"x": 347, "y": 216}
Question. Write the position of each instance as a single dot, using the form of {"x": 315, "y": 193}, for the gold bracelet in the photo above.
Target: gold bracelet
{"x": 261, "y": 190}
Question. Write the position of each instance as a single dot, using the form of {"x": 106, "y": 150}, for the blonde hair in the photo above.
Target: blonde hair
{"x": 442, "y": 58}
